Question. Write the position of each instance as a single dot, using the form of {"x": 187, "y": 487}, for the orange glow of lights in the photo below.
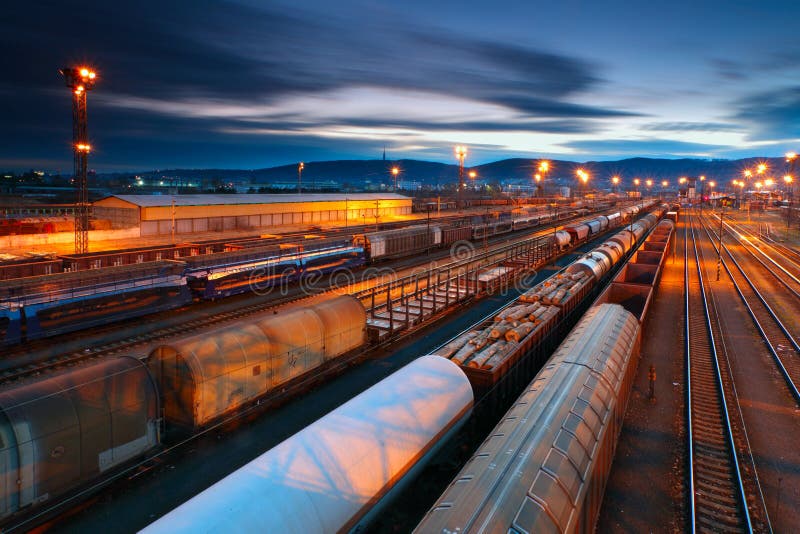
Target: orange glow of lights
{"x": 791, "y": 156}
{"x": 758, "y": 185}
{"x": 615, "y": 180}
{"x": 636, "y": 181}
{"x": 649, "y": 183}
{"x": 537, "y": 177}
{"x": 395, "y": 171}
{"x": 762, "y": 168}
{"x": 544, "y": 166}
{"x": 768, "y": 182}
{"x": 682, "y": 180}
{"x": 788, "y": 178}
{"x": 84, "y": 72}
{"x": 664, "y": 183}
{"x": 748, "y": 173}
{"x": 461, "y": 151}
{"x": 83, "y": 148}
{"x": 473, "y": 174}
{"x": 712, "y": 183}
{"x": 703, "y": 178}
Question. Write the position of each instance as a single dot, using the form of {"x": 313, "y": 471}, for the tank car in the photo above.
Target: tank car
{"x": 329, "y": 476}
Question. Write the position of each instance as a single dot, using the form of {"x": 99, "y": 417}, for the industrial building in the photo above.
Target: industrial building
{"x": 157, "y": 214}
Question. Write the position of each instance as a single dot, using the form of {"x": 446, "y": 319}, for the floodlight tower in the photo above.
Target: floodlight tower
{"x": 80, "y": 80}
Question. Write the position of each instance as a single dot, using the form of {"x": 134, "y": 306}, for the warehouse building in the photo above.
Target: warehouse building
{"x": 155, "y": 214}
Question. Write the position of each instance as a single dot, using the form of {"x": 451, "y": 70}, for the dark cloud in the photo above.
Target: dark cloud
{"x": 771, "y": 114}
{"x": 690, "y": 127}
{"x": 205, "y": 49}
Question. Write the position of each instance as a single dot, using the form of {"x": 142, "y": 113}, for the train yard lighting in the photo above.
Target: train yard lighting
{"x": 80, "y": 80}
{"x": 300, "y": 168}
{"x": 762, "y": 168}
{"x": 395, "y": 172}
{"x": 461, "y": 154}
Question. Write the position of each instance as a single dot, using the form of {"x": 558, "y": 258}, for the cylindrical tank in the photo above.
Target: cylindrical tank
{"x": 594, "y": 226}
{"x": 560, "y": 239}
{"x": 625, "y": 239}
{"x": 204, "y": 376}
{"x": 344, "y": 324}
{"x": 638, "y": 230}
{"x": 328, "y": 476}
{"x": 62, "y": 431}
{"x": 614, "y": 218}
{"x": 295, "y": 341}
{"x": 591, "y": 265}
{"x": 611, "y": 250}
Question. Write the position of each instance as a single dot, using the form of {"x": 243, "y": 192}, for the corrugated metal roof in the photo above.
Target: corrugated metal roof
{"x": 149, "y": 201}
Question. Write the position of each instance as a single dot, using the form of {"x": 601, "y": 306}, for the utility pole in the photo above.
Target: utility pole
{"x": 300, "y": 168}
{"x": 461, "y": 153}
{"x": 80, "y": 80}
{"x": 173, "y": 220}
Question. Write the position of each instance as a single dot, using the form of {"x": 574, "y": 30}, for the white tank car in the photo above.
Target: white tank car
{"x": 328, "y": 476}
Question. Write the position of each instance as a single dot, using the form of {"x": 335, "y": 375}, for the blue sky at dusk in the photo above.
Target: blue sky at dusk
{"x": 253, "y": 84}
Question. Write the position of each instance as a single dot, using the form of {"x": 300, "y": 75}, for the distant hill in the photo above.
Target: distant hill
{"x": 359, "y": 172}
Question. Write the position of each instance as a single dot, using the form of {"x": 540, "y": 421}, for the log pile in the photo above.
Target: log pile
{"x": 556, "y": 289}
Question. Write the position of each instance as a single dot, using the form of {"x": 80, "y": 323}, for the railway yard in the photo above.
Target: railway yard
{"x": 630, "y": 368}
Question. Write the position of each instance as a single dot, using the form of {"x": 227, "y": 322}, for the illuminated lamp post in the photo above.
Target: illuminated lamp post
{"x": 80, "y": 80}
{"x": 461, "y": 153}
{"x": 395, "y": 172}
{"x": 544, "y": 168}
{"x": 788, "y": 179}
{"x": 791, "y": 159}
{"x": 583, "y": 176}
{"x": 664, "y": 185}
{"x": 615, "y": 182}
{"x": 300, "y": 168}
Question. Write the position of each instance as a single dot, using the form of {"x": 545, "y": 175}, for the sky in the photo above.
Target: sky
{"x": 252, "y": 84}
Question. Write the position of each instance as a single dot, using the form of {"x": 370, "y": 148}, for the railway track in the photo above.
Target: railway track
{"x": 778, "y": 340}
{"x": 717, "y": 497}
{"x": 785, "y": 266}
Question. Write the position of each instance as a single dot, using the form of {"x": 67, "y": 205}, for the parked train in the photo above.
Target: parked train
{"x": 120, "y": 285}
{"x": 65, "y": 430}
{"x": 552, "y": 482}
{"x": 113, "y": 410}
{"x": 545, "y": 465}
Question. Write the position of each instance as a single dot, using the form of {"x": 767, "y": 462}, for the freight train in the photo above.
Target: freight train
{"x": 116, "y": 410}
{"x": 545, "y": 465}
{"x": 168, "y": 278}
{"x": 371, "y": 442}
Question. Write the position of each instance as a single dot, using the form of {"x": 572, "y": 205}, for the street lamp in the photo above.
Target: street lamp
{"x": 791, "y": 159}
{"x": 583, "y": 176}
{"x": 300, "y": 168}
{"x": 461, "y": 153}
{"x": 395, "y": 172}
{"x": 788, "y": 179}
{"x": 544, "y": 168}
{"x": 615, "y": 182}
